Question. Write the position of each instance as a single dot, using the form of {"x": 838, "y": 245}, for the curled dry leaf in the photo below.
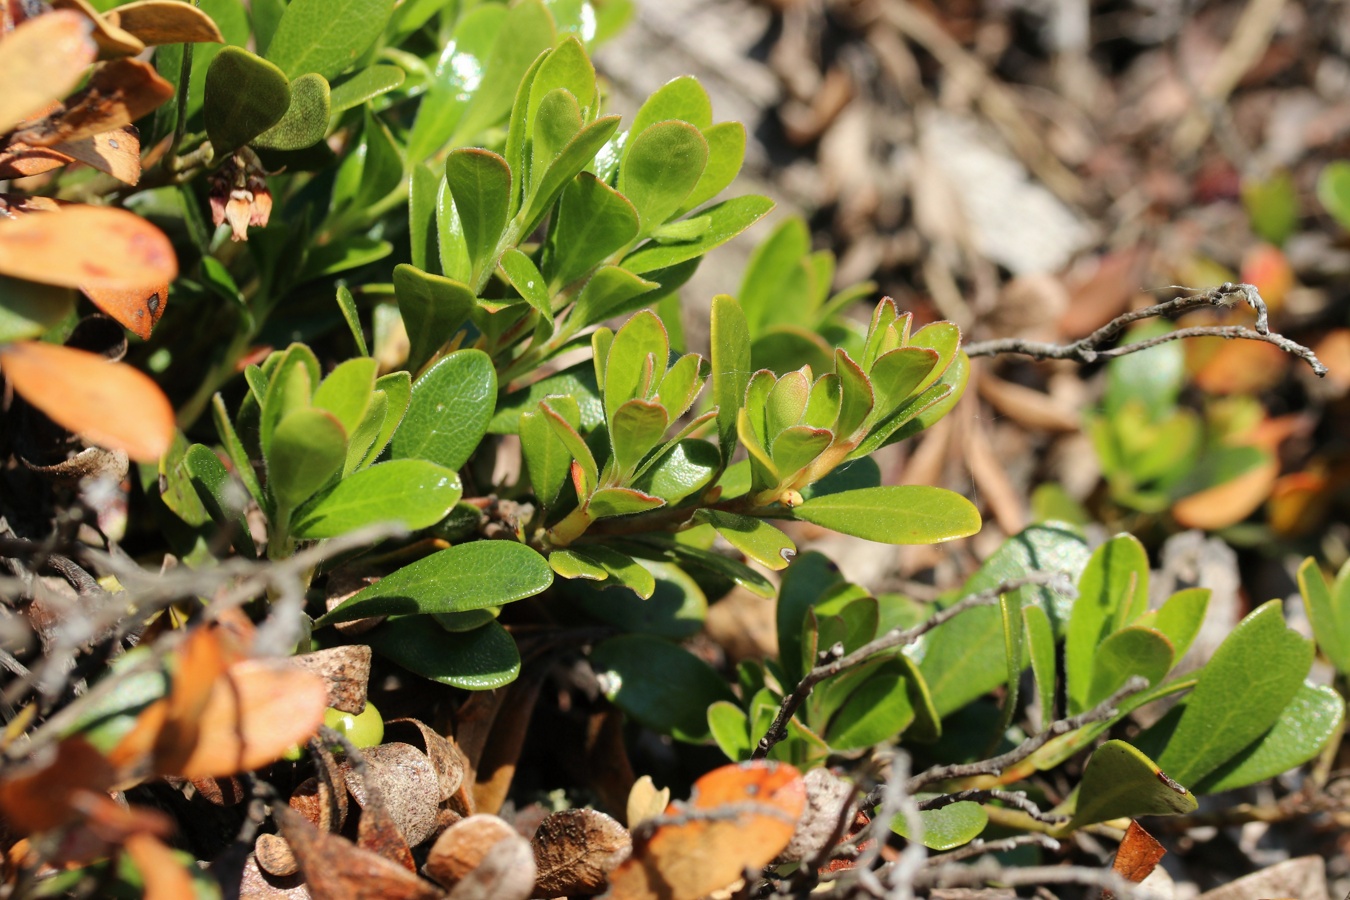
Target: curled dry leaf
{"x": 20, "y": 160}
{"x": 166, "y": 22}
{"x": 220, "y": 791}
{"x": 446, "y": 757}
{"x": 827, "y": 796}
{"x": 40, "y": 795}
{"x": 254, "y": 884}
{"x": 645, "y": 801}
{"x": 463, "y": 846}
{"x": 40, "y": 61}
{"x": 739, "y": 817}
{"x": 274, "y": 855}
{"x": 106, "y": 403}
{"x": 346, "y": 671}
{"x": 320, "y": 804}
{"x": 1139, "y": 853}
{"x": 118, "y": 93}
{"x": 407, "y": 786}
{"x": 112, "y": 41}
{"x": 336, "y": 869}
{"x": 506, "y": 873}
{"x": 136, "y": 309}
{"x": 575, "y": 850}
{"x": 117, "y": 152}
{"x": 87, "y": 246}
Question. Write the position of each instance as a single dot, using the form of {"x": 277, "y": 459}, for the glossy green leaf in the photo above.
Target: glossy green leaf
{"x": 326, "y": 36}
{"x": 600, "y": 563}
{"x": 660, "y": 168}
{"x": 570, "y": 160}
{"x": 1153, "y": 377}
{"x": 560, "y": 421}
{"x": 27, "y": 309}
{"x": 525, "y": 277}
{"x": 527, "y": 30}
{"x": 245, "y": 96}
{"x": 687, "y": 467}
{"x": 1115, "y": 576}
{"x": 308, "y": 448}
{"x": 423, "y": 234}
{"x": 947, "y": 827}
{"x": 608, "y": 502}
{"x": 730, "y": 352}
{"x": 896, "y": 375}
{"x": 1333, "y": 190}
{"x": 660, "y": 685}
{"x": 306, "y": 119}
{"x": 1009, "y": 608}
{"x": 289, "y": 386}
{"x": 343, "y": 255}
{"x": 557, "y": 122}
{"x": 754, "y": 537}
{"x": 566, "y": 67}
{"x": 412, "y": 492}
{"x": 920, "y": 411}
{"x": 480, "y": 183}
{"x": 730, "y": 729}
{"x": 680, "y": 98}
{"x": 1311, "y": 719}
{"x": 361, "y": 440}
{"x": 481, "y": 659}
{"x": 347, "y": 304}
{"x": 1179, "y": 618}
{"x": 896, "y": 514}
{"x": 608, "y": 293}
{"x": 726, "y": 153}
{"x": 638, "y": 346}
{"x": 675, "y": 609}
{"x": 728, "y": 219}
{"x": 397, "y": 388}
{"x": 963, "y": 658}
{"x": 861, "y": 473}
{"x": 382, "y": 171}
{"x": 1328, "y": 609}
{"x": 547, "y": 459}
{"x": 475, "y": 575}
{"x": 346, "y": 391}
{"x": 1241, "y": 692}
{"x": 594, "y": 221}
{"x": 635, "y": 429}
{"x": 688, "y": 556}
{"x": 877, "y": 710}
{"x": 1041, "y": 648}
{"x": 577, "y": 381}
{"x": 367, "y": 84}
{"x": 433, "y": 309}
{"x": 1121, "y": 782}
{"x": 448, "y": 413}
{"x": 1130, "y": 651}
{"x": 234, "y": 448}
{"x": 223, "y": 496}
{"x": 773, "y": 289}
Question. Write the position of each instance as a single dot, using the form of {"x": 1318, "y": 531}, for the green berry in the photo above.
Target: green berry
{"x": 363, "y": 730}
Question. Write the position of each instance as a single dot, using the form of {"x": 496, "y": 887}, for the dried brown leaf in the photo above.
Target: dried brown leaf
{"x": 274, "y": 855}
{"x": 40, "y": 61}
{"x": 575, "y": 850}
{"x": 112, "y": 41}
{"x": 463, "y": 846}
{"x": 645, "y": 801}
{"x": 506, "y": 873}
{"x": 346, "y": 671}
{"x": 407, "y": 787}
{"x": 336, "y": 869}
{"x": 87, "y": 246}
{"x": 446, "y": 758}
{"x": 118, "y": 93}
{"x": 167, "y": 22}
{"x": 117, "y": 152}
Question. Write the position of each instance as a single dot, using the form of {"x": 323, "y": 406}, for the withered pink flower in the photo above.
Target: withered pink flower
{"x": 239, "y": 194}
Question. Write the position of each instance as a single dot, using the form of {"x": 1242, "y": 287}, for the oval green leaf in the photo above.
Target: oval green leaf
{"x": 448, "y": 414}
{"x": 412, "y": 492}
{"x": 660, "y": 685}
{"x": 478, "y": 660}
{"x": 895, "y": 514}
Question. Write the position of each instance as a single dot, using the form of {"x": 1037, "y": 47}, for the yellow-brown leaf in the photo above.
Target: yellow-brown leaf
{"x": 40, "y": 61}
{"x": 116, "y": 152}
{"x": 112, "y": 41}
{"x": 167, "y": 22}
{"x": 87, "y": 247}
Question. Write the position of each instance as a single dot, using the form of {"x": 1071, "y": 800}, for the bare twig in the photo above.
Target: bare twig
{"x": 989, "y": 870}
{"x": 1086, "y": 349}
{"x": 980, "y": 847}
{"x": 995, "y": 765}
{"x": 1012, "y": 798}
{"x": 891, "y": 640}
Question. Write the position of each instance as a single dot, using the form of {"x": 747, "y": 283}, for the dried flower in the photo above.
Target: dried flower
{"x": 239, "y": 194}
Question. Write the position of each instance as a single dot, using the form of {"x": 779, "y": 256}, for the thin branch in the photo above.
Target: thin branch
{"x": 1012, "y": 798}
{"x": 1086, "y": 350}
{"x": 990, "y": 871}
{"x": 891, "y": 640}
{"x": 995, "y": 765}
{"x": 980, "y": 847}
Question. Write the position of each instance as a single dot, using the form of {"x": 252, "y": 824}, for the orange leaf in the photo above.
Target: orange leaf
{"x": 112, "y": 41}
{"x": 1266, "y": 266}
{"x": 20, "y": 160}
{"x": 1138, "y": 855}
{"x": 135, "y": 309}
{"x": 116, "y": 152}
{"x": 255, "y": 714}
{"x": 739, "y": 817}
{"x": 87, "y": 247}
{"x": 167, "y": 22}
{"x": 106, "y": 403}
{"x": 1228, "y": 503}
{"x": 41, "y": 796}
{"x": 163, "y": 874}
{"x": 119, "y": 93}
{"x": 1241, "y": 367}
{"x": 1299, "y": 502}
{"x": 40, "y": 61}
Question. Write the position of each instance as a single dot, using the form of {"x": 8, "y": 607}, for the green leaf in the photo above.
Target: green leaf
{"x": 347, "y": 304}
{"x": 456, "y": 78}
{"x": 365, "y": 85}
{"x": 326, "y": 36}
{"x": 558, "y": 121}
{"x": 423, "y": 233}
{"x": 1153, "y": 377}
{"x": 600, "y": 563}
{"x": 635, "y": 429}
{"x": 877, "y": 710}
{"x": 397, "y": 387}
{"x": 346, "y": 391}
{"x": 577, "y": 381}
{"x": 687, "y": 467}
{"x": 963, "y": 658}
{"x": 306, "y": 119}
{"x": 362, "y": 438}
{"x": 343, "y": 255}
{"x": 1009, "y": 612}
{"x": 730, "y": 729}
{"x": 1333, "y": 190}
{"x": 451, "y": 405}
{"x": 560, "y": 421}
{"x": 608, "y": 502}
{"x": 856, "y": 399}
{"x": 1241, "y": 692}
{"x": 809, "y": 578}
{"x": 1130, "y": 651}
{"x": 1302, "y": 730}
{"x": 526, "y": 31}
{"x": 896, "y": 514}
{"x": 660, "y": 168}
{"x": 478, "y": 660}
{"x": 594, "y": 221}
{"x": 675, "y": 608}
{"x": 797, "y": 447}
{"x": 566, "y": 67}
{"x": 576, "y": 155}
{"x": 726, "y": 152}
{"x": 433, "y": 309}
{"x": 773, "y": 289}
{"x": 529, "y": 283}
{"x": 607, "y": 294}
{"x": 1179, "y": 619}
{"x": 686, "y": 556}
{"x": 1115, "y": 576}
{"x": 382, "y": 171}
{"x": 222, "y": 496}
{"x": 947, "y": 827}
{"x": 475, "y": 575}
{"x": 547, "y": 459}
{"x": 899, "y": 374}
{"x": 308, "y": 448}
{"x": 290, "y": 386}
{"x": 920, "y": 411}
{"x": 412, "y": 492}
{"x": 754, "y": 537}
{"x": 480, "y": 183}
{"x": 861, "y": 473}
{"x": 1328, "y": 611}
{"x": 245, "y": 96}
{"x": 660, "y": 685}
{"x": 1272, "y": 206}
{"x": 1041, "y": 644}
{"x": 234, "y": 448}
{"x": 730, "y": 351}
{"x": 1121, "y": 782}
{"x": 680, "y": 98}
{"x": 640, "y": 349}
{"x": 728, "y": 219}
{"x": 27, "y": 309}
